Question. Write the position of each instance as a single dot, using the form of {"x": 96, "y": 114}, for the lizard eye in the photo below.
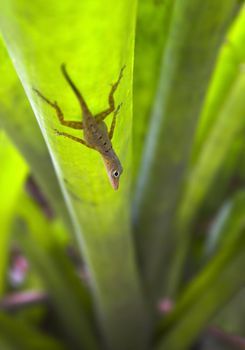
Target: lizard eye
{"x": 116, "y": 173}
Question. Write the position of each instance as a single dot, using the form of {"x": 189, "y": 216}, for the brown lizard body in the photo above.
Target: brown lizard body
{"x": 96, "y": 135}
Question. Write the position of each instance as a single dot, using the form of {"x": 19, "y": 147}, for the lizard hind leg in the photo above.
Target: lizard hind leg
{"x": 59, "y": 113}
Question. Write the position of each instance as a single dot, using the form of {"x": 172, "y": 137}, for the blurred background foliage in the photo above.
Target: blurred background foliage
{"x": 159, "y": 263}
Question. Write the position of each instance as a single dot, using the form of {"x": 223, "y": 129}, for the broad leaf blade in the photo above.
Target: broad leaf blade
{"x": 101, "y": 215}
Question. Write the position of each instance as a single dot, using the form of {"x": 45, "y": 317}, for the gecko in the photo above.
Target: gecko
{"x": 95, "y": 132}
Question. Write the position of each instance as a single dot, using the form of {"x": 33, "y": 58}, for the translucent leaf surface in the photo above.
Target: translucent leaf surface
{"x": 95, "y": 39}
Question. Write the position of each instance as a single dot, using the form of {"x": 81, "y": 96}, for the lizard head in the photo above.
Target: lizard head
{"x": 114, "y": 170}
{"x": 114, "y": 177}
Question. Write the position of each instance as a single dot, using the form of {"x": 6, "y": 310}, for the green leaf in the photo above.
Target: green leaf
{"x": 186, "y": 69}
{"x": 17, "y": 118}
{"x": 213, "y": 294}
{"x": 213, "y": 154}
{"x": 38, "y": 223}
{"x": 4, "y": 345}
{"x": 231, "y": 317}
{"x": 42, "y": 245}
{"x": 19, "y": 335}
{"x": 228, "y": 69}
{"x": 217, "y": 133}
{"x": 227, "y": 179}
{"x": 11, "y": 183}
{"x": 153, "y": 22}
{"x": 230, "y": 60}
{"x": 227, "y": 224}
{"x": 215, "y": 233}
{"x": 95, "y": 39}
{"x": 212, "y": 288}
{"x": 68, "y": 308}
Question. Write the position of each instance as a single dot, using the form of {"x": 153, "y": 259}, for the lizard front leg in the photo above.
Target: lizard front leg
{"x": 74, "y": 138}
{"x": 113, "y": 123}
{"x": 102, "y": 115}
